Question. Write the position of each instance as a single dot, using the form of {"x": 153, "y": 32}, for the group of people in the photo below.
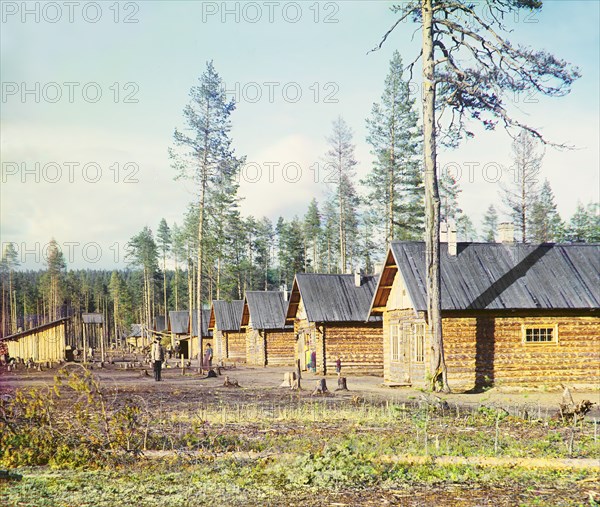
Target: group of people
{"x": 157, "y": 357}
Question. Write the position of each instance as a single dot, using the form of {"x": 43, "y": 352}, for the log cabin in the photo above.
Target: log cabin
{"x": 179, "y": 327}
{"x": 47, "y": 342}
{"x": 207, "y": 334}
{"x": 330, "y": 314}
{"x": 512, "y": 314}
{"x": 137, "y": 339}
{"x": 160, "y": 324}
{"x": 228, "y": 337}
{"x": 269, "y": 342}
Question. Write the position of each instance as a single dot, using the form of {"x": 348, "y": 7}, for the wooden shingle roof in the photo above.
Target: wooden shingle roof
{"x": 226, "y": 315}
{"x": 205, "y": 320}
{"x": 496, "y": 276}
{"x": 136, "y": 330}
{"x": 332, "y": 297}
{"x": 92, "y": 318}
{"x": 160, "y": 323}
{"x": 266, "y": 310}
{"x": 179, "y": 321}
{"x": 37, "y": 329}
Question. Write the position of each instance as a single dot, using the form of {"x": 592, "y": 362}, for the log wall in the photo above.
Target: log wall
{"x": 281, "y": 344}
{"x": 489, "y": 349}
{"x": 359, "y": 347}
{"x": 484, "y": 350}
{"x": 236, "y": 345}
{"x": 270, "y": 347}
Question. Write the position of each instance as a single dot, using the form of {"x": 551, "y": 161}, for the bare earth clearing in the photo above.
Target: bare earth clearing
{"x": 262, "y": 385}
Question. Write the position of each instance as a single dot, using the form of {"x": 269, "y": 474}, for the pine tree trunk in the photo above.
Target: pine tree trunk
{"x": 4, "y": 330}
{"x": 342, "y": 228}
{"x": 523, "y": 203}
{"x": 438, "y": 372}
{"x": 199, "y": 273}
{"x": 176, "y": 286}
{"x": 390, "y": 236}
{"x": 218, "y": 278}
{"x": 204, "y": 180}
{"x": 165, "y": 287}
{"x": 12, "y": 299}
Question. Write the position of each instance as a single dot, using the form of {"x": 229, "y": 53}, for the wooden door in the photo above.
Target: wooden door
{"x": 405, "y": 345}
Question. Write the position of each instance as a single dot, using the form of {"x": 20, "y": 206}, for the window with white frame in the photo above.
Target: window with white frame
{"x": 540, "y": 334}
{"x": 419, "y": 343}
{"x": 394, "y": 345}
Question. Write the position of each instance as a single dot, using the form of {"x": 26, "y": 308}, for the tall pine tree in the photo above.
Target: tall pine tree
{"x": 203, "y": 152}
{"x": 395, "y": 182}
{"x": 490, "y": 224}
{"x": 340, "y": 164}
{"x": 545, "y": 226}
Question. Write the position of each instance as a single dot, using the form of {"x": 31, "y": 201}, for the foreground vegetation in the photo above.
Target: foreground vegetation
{"x": 81, "y": 443}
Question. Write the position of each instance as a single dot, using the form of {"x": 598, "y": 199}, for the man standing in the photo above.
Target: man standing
{"x": 158, "y": 356}
{"x": 208, "y": 357}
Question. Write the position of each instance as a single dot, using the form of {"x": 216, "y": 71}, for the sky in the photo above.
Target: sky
{"x": 92, "y": 92}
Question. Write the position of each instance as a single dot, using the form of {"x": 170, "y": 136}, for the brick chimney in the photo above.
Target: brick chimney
{"x": 452, "y": 247}
{"x": 358, "y": 278}
{"x": 506, "y": 232}
{"x": 444, "y": 232}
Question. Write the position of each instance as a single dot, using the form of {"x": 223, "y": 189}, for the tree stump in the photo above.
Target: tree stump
{"x": 288, "y": 379}
{"x": 321, "y": 387}
{"x": 230, "y": 382}
{"x": 342, "y": 386}
{"x": 575, "y": 412}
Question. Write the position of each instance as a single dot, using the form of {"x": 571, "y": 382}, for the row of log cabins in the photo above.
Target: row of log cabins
{"x": 325, "y": 319}
{"x": 511, "y": 314}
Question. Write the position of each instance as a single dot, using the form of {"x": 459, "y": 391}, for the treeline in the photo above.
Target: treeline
{"x": 225, "y": 253}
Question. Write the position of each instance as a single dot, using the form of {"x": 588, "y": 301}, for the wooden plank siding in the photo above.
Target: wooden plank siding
{"x": 45, "y": 343}
{"x": 219, "y": 344}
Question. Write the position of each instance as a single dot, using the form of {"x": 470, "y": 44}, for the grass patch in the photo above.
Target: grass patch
{"x": 79, "y": 444}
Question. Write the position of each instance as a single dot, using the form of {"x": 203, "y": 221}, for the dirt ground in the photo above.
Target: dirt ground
{"x": 262, "y": 385}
